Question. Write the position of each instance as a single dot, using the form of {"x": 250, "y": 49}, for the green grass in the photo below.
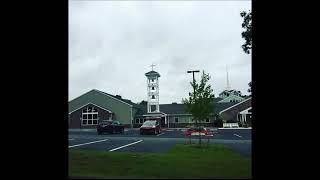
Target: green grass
{"x": 182, "y": 161}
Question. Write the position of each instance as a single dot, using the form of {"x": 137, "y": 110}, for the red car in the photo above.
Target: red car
{"x": 197, "y": 131}
{"x": 152, "y": 127}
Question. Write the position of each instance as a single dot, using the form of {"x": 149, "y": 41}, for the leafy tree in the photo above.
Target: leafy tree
{"x": 143, "y": 102}
{"x": 247, "y": 34}
{"x": 218, "y": 122}
{"x": 250, "y": 84}
{"x": 200, "y": 102}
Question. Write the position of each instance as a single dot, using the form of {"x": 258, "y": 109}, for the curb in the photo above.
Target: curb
{"x": 236, "y": 128}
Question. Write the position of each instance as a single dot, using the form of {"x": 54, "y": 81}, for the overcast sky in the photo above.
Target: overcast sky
{"x": 113, "y": 43}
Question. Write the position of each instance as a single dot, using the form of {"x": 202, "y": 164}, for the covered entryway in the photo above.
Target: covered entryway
{"x": 244, "y": 117}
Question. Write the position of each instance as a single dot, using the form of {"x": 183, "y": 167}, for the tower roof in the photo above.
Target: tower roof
{"x": 152, "y": 74}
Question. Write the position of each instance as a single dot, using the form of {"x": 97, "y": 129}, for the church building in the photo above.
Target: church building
{"x": 88, "y": 109}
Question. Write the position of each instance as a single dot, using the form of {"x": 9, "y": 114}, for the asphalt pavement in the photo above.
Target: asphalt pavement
{"x": 131, "y": 141}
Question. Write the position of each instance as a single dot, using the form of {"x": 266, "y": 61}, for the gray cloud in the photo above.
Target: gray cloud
{"x": 113, "y": 43}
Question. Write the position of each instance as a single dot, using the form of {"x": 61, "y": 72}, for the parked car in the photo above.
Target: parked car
{"x": 150, "y": 127}
{"x": 196, "y": 131}
{"x": 110, "y": 126}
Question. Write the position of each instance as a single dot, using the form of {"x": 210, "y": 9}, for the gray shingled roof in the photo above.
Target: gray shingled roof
{"x": 120, "y": 98}
{"x": 170, "y": 108}
{"x": 180, "y": 108}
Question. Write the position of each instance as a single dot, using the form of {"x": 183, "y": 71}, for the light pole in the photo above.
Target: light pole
{"x": 194, "y": 94}
{"x": 194, "y": 91}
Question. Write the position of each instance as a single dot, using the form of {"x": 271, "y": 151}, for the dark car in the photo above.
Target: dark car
{"x": 110, "y": 126}
{"x": 152, "y": 127}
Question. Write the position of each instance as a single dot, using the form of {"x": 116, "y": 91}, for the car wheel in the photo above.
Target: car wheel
{"x": 113, "y": 131}
{"x": 141, "y": 133}
{"x": 122, "y": 131}
{"x": 155, "y": 132}
{"x": 99, "y": 133}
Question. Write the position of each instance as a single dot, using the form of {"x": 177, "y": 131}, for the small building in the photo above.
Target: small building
{"x": 238, "y": 113}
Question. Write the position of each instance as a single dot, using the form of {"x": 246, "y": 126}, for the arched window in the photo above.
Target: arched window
{"x": 152, "y": 97}
{"x": 89, "y": 116}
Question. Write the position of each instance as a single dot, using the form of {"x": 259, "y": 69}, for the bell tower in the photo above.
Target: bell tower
{"x": 153, "y": 90}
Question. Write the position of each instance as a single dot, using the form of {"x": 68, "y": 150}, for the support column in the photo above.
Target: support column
{"x": 245, "y": 118}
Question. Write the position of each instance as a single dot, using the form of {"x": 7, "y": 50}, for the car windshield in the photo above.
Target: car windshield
{"x": 149, "y": 123}
{"x": 106, "y": 122}
{"x": 116, "y": 122}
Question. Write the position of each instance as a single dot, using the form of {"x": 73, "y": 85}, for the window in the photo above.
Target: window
{"x": 152, "y": 80}
{"x": 137, "y": 121}
{"x": 176, "y": 120}
{"x": 90, "y": 116}
{"x": 152, "y": 88}
{"x": 207, "y": 120}
{"x": 152, "y": 97}
{"x": 153, "y": 108}
{"x": 141, "y": 121}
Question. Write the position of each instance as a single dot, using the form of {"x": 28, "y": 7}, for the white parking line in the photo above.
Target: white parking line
{"x": 160, "y": 134}
{"x": 71, "y": 139}
{"x": 87, "y": 143}
{"x": 169, "y": 130}
{"x": 238, "y": 135}
{"x": 125, "y": 145}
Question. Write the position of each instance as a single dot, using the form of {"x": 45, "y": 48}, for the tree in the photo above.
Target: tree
{"x": 250, "y": 84}
{"x": 247, "y": 34}
{"x": 143, "y": 102}
{"x": 200, "y": 102}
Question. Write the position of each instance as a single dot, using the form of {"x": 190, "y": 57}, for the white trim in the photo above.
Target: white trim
{"x": 237, "y": 128}
{"x": 244, "y": 111}
{"x": 234, "y": 105}
{"x": 179, "y": 114}
{"x": 92, "y": 104}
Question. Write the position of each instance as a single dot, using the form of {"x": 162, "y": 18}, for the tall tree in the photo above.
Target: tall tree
{"x": 143, "y": 102}
{"x": 200, "y": 101}
{"x": 247, "y": 34}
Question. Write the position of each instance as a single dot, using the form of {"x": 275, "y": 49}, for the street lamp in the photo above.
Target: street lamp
{"x": 194, "y": 92}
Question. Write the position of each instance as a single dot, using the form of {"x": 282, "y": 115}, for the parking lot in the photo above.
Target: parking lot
{"x": 131, "y": 140}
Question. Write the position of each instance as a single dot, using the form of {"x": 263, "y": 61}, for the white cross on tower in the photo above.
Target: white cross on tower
{"x": 152, "y": 66}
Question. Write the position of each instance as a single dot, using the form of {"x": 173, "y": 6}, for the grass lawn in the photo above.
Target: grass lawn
{"x": 182, "y": 161}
